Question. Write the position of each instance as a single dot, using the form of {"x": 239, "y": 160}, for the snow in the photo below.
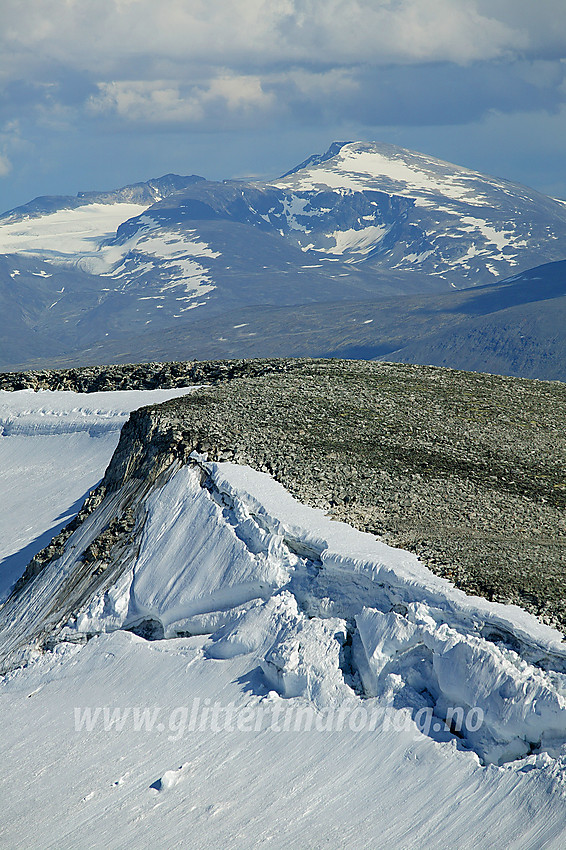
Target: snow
{"x": 435, "y": 187}
{"x": 151, "y": 248}
{"x": 66, "y": 232}
{"x": 294, "y": 206}
{"x": 502, "y": 239}
{"x": 54, "y": 448}
{"x": 417, "y": 258}
{"x": 253, "y": 542}
{"x": 150, "y": 240}
{"x": 360, "y": 241}
{"x": 298, "y": 696}
{"x": 86, "y": 237}
{"x": 182, "y": 520}
{"x": 171, "y": 783}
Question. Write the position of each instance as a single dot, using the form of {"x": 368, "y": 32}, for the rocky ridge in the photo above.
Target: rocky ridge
{"x": 465, "y": 469}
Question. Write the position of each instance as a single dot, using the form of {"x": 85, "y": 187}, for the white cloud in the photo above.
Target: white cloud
{"x": 542, "y": 24}
{"x": 165, "y": 101}
{"x": 139, "y": 100}
{"x": 72, "y": 67}
{"x": 237, "y": 92}
{"x": 184, "y": 61}
{"x": 401, "y": 31}
{"x": 318, "y": 83}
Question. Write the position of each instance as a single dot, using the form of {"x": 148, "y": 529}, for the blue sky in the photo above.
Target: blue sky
{"x": 100, "y": 93}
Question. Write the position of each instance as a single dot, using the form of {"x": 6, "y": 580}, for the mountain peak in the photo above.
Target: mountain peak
{"x": 375, "y": 166}
{"x": 317, "y": 158}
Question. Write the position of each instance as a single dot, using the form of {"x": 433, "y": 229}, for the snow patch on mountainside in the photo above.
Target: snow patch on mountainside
{"x": 354, "y": 241}
{"x": 152, "y": 248}
{"x": 502, "y": 239}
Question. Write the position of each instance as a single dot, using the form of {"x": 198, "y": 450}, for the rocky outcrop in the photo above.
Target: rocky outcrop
{"x": 143, "y": 376}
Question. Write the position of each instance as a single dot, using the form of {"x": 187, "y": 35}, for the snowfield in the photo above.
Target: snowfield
{"x": 86, "y": 237}
{"x": 357, "y": 166}
{"x": 65, "y": 233}
{"x": 262, "y": 676}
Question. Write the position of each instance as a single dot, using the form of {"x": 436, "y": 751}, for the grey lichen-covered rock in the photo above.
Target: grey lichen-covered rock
{"x": 141, "y": 376}
{"x": 465, "y": 469}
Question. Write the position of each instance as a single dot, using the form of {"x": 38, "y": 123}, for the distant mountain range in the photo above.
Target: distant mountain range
{"x": 368, "y": 250}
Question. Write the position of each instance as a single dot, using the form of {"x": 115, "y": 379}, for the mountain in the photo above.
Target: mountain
{"x": 140, "y": 195}
{"x": 112, "y": 275}
{"x": 218, "y": 644}
{"x": 417, "y": 213}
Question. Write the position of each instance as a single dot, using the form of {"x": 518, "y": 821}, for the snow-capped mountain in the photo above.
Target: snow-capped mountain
{"x": 419, "y": 213}
{"x": 141, "y": 195}
{"x": 362, "y": 221}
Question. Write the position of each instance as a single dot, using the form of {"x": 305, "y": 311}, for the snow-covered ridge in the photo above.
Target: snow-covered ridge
{"x": 397, "y": 221}
{"x": 360, "y": 165}
{"x": 173, "y": 252}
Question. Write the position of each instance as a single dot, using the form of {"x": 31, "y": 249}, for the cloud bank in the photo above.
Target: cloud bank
{"x": 188, "y": 62}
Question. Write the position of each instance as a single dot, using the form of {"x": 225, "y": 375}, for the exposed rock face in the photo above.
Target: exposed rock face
{"x": 465, "y": 469}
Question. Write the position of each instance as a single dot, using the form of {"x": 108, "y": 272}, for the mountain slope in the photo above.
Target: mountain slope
{"x": 515, "y": 328}
{"x": 182, "y": 261}
{"x": 452, "y": 223}
{"x": 512, "y": 328}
